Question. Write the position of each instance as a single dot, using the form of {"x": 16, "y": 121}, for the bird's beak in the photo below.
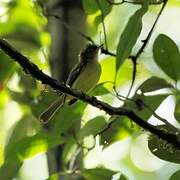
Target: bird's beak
{"x": 100, "y": 47}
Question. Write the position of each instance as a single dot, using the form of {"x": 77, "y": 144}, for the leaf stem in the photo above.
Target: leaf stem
{"x": 103, "y": 24}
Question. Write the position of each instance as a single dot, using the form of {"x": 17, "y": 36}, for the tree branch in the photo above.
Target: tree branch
{"x": 103, "y": 24}
{"x": 145, "y": 42}
{"x": 81, "y": 34}
{"x": 35, "y": 72}
{"x": 131, "y": 2}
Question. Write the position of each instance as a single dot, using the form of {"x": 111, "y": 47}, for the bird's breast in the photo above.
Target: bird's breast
{"x": 89, "y": 77}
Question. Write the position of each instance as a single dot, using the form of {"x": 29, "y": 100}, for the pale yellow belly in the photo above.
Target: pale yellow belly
{"x": 88, "y": 78}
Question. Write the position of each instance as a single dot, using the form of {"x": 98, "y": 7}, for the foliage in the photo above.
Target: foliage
{"x": 72, "y": 126}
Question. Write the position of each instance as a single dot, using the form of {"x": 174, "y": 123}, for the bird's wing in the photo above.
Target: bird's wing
{"x": 78, "y": 68}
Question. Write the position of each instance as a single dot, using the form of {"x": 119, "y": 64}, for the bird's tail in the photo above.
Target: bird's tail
{"x": 51, "y": 110}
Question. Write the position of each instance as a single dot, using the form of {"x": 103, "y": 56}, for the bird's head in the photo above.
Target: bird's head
{"x": 90, "y": 51}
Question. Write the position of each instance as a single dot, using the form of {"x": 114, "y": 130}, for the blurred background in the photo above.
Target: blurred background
{"x": 54, "y": 44}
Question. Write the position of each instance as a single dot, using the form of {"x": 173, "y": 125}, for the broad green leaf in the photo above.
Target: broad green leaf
{"x": 7, "y": 67}
{"x": 24, "y": 36}
{"x": 92, "y": 127}
{"x": 98, "y": 174}
{"x": 28, "y": 87}
{"x": 97, "y": 9}
{"x": 25, "y": 148}
{"x": 162, "y": 149}
{"x": 91, "y": 6}
{"x": 32, "y": 145}
{"x": 123, "y": 177}
{"x": 142, "y": 1}
{"x": 27, "y": 83}
{"x": 4, "y": 97}
{"x": 153, "y": 84}
{"x": 65, "y": 117}
{"x": 9, "y": 171}
{"x": 54, "y": 176}
{"x": 66, "y": 176}
{"x": 177, "y": 109}
{"x": 88, "y": 174}
{"x": 119, "y": 128}
{"x": 68, "y": 117}
{"x": 20, "y": 97}
{"x": 152, "y": 103}
{"x": 42, "y": 102}
{"x": 175, "y": 176}
{"x": 145, "y": 105}
{"x": 167, "y": 57}
{"x": 99, "y": 90}
{"x": 120, "y": 176}
{"x": 130, "y": 35}
{"x": 19, "y": 131}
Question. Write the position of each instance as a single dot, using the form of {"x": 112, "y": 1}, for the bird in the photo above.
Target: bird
{"x": 84, "y": 76}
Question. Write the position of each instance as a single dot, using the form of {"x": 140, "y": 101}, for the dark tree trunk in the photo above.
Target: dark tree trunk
{"x": 65, "y": 46}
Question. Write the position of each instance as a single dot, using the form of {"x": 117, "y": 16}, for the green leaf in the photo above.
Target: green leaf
{"x": 175, "y": 176}
{"x": 99, "y": 90}
{"x": 97, "y": 9}
{"x": 65, "y": 176}
{"x": 32, "y": 145}
{"x": 142, "y": 1}
{"x": 7, "y": 67}
{"x": 123, "y": 177}
{"x": 98, "y": 174}
{"x": 28, "y": 87}
{"x": 68, "y": 117}
{"x": 130, "y": 35}
{"x": 19, "y": 97}
{"x": 25, "y": 148}
{"x": 166, "y": 56}
{"x": 119, "y": 128}
{"x": 18, "y": 132}
{"x": 24, "y": 36}
{"x": 92, "y": 127}
{"x": 54, "y": 176}
{"x": 91, "y": 6}
{"x": 177, "y": 109}
{"x": 162, "y": 149}
{"x": 145, "y": 105}
{"x": 27, "y": 83}
{"x": 9, "y": 171}
{"x": 42, "y": 102}
{"x": 153, "y": 84}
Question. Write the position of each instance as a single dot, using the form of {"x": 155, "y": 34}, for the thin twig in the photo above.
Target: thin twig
{"x": 83, "y": 35}
{"x": 158, "y": 117}
{"x": 73, "y": 160}
{"x": 134, "y": 2}
{"x": 106, "y": 52}
{"x": 103, "y": 24}
{"x": 145, "y": 42}
{"x": 69, "y": 27}
{"x": 133, "y": 76}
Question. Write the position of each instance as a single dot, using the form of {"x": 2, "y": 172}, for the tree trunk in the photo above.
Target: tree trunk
{"x": 65, "y": 46}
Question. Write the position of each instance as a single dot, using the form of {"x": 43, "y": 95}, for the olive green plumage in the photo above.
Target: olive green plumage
{"x": 84, "y": 76}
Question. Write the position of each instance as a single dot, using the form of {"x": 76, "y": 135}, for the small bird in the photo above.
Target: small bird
{"x": 84, "y": 76}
